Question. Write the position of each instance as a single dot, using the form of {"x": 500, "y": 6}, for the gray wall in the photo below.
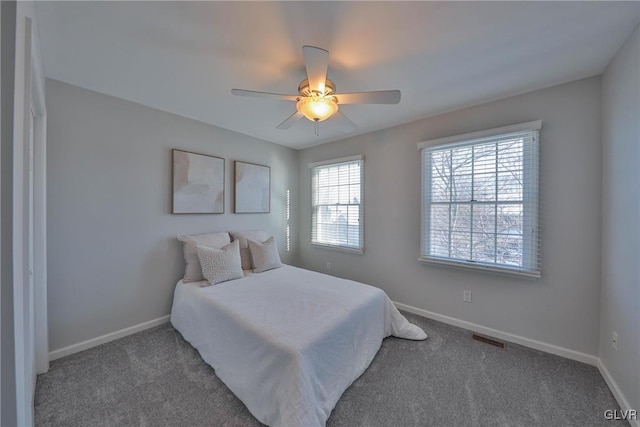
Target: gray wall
{"x": 562, "y": 307}
{"x": 113, "y": 254}
{"x": 621, "y": 219}
{"x": 8, "y": 416}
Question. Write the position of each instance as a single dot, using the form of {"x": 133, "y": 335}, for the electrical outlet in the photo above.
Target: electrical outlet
{"x": 466, "y": 296}
{"x": 328, "y": 266}
{"x": 614, "y": 340}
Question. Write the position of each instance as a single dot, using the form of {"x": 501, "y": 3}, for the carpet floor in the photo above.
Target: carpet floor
{"x": 155, "y": 378}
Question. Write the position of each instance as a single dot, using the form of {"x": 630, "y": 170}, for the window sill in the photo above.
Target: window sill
{"x": 481, "y": 267}
{"x": 358, "y": 251}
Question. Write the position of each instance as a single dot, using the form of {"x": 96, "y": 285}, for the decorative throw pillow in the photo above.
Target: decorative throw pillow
{"x": 265, "y": 255}
{"x": 245, "y": 253}
{"x": 192, "y": 268}
{"x": 220, "y": 265}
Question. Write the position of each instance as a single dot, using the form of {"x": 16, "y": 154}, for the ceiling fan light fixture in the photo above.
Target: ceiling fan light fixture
{"x": 317, "y": 108}
{"x": 317, "y": 99}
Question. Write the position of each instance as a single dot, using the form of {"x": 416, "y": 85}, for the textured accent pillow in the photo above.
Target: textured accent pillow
{"x": 192, "y": 269}
{"x": 220, "y": 265}
{"x": 265, "y": 255}
{"x": 245, "y": 253}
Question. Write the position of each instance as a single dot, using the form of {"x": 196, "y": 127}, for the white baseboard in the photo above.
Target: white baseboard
{"x": 84, "y": 345}
{"x": 617, "y": 393}
{"x": 527, "y": 342}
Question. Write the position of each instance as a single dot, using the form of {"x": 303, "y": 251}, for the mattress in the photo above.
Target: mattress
{"x": 288, "y": 342}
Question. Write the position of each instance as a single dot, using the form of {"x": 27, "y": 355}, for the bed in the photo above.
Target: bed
{"x": 288, "y": 342}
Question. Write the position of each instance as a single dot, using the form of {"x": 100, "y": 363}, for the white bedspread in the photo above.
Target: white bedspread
{"x": 288, "y": 342}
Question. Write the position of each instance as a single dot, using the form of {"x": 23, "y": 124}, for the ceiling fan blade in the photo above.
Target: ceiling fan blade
{"x": 316, "y": 62}
{"x": 256, "y": 94}
{"x": 290, "y": 121}
{"x": 344, "y": 122}
{"x": 378, "y": 97}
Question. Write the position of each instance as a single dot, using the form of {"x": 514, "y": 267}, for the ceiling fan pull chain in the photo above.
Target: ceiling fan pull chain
{"x": 317, "y": 122}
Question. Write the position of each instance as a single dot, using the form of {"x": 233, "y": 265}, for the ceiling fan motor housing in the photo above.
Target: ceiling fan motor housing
{"x": 304, "y": 90}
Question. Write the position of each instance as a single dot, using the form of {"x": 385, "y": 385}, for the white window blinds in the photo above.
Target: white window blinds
{"x": 336, "y": 203}
{"x": 480, "y": 200}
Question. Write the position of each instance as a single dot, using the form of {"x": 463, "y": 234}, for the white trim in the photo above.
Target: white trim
{"x": 520, "y": 127}
{"x": 517, "y": 339}
{"x": 38, "y": 78}
{"x": 94, "y": 342}
{"x": 336, "y": 161}
{"x": 466, "y": 265}
{"x": 2, "y": 194}
{"x": 41, "y": 318}
{"x": 38, "y": 104}
{"x": 617, "y": 393}
{"x": 339, "y": 248}
{"x": 22, "y": 291}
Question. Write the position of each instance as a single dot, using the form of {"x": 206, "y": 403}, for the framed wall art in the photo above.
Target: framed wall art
{"x": 252, "y": 188}
{"x": 198, "y": 183}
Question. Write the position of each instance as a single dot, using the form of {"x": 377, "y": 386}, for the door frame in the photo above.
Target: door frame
{"x": 29, "y": 281}
{"x": 38, "y": 105}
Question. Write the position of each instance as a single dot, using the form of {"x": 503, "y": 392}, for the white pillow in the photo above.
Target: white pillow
{"x": 192, "y": 268}
{"x": 265, "y": 255}
{"x": 220, "y": 265}
{"x": 245, "y": 253}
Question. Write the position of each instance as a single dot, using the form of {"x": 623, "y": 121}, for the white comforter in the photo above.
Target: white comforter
{"x": 288, "y": 342}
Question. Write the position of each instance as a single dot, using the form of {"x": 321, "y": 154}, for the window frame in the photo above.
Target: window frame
{"x": 330, "y": 163}
{"x": 530, "y": 203}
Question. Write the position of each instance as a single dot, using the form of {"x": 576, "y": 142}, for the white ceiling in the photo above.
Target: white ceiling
{"x": 185, "y": 57}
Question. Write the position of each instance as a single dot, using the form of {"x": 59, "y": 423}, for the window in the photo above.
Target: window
{"x": 480, "y": 200}
{"x": 336, "y": 204}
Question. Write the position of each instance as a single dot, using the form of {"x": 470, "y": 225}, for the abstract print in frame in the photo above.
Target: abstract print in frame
{"x": 198, "y": 183}
{"x": 252, "y": 188}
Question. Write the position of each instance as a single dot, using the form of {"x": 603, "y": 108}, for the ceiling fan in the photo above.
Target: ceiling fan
{"x": 317, "y": 99}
